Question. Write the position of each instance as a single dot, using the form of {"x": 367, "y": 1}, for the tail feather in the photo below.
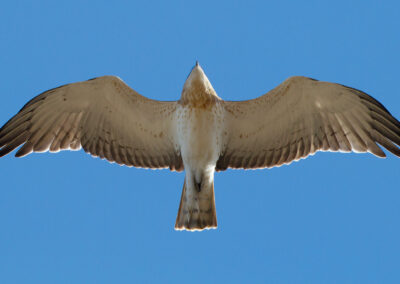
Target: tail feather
{"x": 197, "y": 209}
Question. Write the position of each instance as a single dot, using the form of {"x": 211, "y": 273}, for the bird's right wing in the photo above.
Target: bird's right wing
{"x": 302, "y": 116}
{"x": 105, "y": 117}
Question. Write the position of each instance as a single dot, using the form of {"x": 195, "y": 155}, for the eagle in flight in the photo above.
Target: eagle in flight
{"x": 201, "y": 133}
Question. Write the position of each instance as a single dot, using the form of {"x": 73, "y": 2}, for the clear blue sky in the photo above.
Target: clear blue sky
{"x": 69, "y": 218}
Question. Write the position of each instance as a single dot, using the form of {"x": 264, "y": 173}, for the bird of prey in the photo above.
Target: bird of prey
{"x": 201, "y": 133}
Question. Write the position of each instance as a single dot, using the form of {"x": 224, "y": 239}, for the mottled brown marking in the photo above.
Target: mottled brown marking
{"x": 198, "y": 95}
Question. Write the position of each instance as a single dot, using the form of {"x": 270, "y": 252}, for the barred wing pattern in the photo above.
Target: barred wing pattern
{"x": 104, "y": 116}
{"x": 300, "y": 117}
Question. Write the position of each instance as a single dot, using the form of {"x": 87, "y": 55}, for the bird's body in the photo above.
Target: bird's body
{"x": 200, "y": 140}
{"x": 200, "y": 137}
{"x": 201, "y": 133}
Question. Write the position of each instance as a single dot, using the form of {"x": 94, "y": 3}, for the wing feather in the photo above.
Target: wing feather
{"x": 103, "y": 116}
{"x": 302, "y": 116}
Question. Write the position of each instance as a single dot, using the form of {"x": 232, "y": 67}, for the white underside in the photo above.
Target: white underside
{"x": 200, "y": 138}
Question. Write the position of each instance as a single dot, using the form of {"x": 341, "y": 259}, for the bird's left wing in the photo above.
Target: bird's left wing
{"x": 302, "y": 116}
{"x": 104, "y": 116}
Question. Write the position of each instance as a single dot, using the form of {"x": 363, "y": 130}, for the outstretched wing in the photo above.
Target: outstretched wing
{"x": 302, "y": 116}
{"x": 104, "y": 116}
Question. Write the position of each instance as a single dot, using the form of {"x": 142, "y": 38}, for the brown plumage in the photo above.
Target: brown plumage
{"x": 203, "y": 216}
{"x": 201, "y": 133}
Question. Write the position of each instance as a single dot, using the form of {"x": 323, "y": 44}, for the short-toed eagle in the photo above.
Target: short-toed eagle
{"x": 201, "y": 133}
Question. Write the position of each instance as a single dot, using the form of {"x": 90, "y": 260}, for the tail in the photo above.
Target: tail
{"x": 197, "y": 208}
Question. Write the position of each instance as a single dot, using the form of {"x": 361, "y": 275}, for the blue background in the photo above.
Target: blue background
{"x": 69, "y": 218}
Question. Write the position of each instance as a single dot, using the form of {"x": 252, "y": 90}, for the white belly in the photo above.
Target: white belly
{"x": 200, "y": 136}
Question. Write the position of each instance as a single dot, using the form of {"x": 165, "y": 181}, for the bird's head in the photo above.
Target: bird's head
{"x": 197, "y": 87}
